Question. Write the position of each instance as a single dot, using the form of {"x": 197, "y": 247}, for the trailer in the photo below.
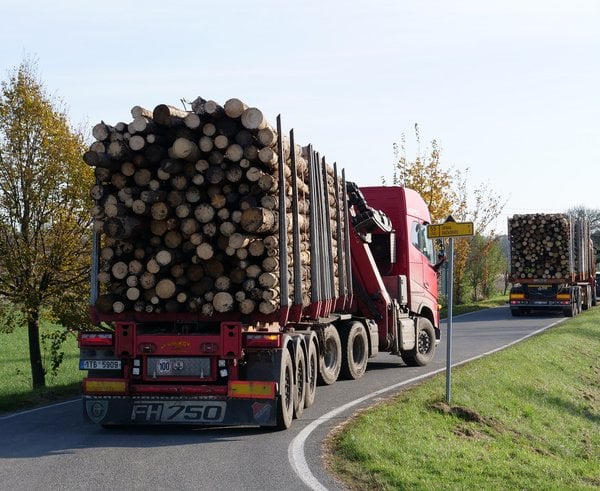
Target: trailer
{"x": 552, "y": 264}
{"x": 322, "y": 275}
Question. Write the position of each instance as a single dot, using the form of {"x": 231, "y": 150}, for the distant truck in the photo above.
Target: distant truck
{"x": 228, "y": 279}
{"x": 552, "y": 264}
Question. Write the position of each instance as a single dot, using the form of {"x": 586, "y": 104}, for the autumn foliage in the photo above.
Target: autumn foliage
{"x": 44, "y": 245}
{"x": 447, "y": 193}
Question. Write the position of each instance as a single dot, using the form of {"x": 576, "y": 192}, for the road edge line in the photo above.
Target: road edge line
{"x": 35, "y": 409}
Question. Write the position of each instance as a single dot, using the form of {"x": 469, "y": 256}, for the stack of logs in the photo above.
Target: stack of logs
{"x": 540, "y": 246}
{"x": 186, "y": 204}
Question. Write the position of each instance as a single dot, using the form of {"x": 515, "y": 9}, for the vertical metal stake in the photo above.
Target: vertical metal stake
{"x": 450, "y": 289}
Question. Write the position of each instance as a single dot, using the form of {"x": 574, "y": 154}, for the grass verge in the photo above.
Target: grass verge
{"x": 525, "y": 418}
{"x": 15, "y": 373}
{"x": 473, "y": 306}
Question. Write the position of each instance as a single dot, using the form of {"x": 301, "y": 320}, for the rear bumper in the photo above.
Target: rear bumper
{"x": 188, "y": 410}
{"x": 539, "y": 305}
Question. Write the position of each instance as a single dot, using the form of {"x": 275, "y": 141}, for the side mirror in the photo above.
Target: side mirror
{"x": 441, "y": 260}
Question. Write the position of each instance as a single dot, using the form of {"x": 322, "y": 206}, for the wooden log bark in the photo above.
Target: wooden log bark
{"x": 185, "y": 149}
{"x": 165, "y": 288}
{"x": 234, "y": 108}
{"x": 223, "y": 302}
{"x": 102, "y": 131}
{"x": 259, "y": 220}
{"x": 168, "y": 115}
{"x": 538, "y": 242}
{"x": 121, "y": 227}
{"x": 139, "y": 112}
{"x": 203, "y": 187}
{"x": 253, "y": 119}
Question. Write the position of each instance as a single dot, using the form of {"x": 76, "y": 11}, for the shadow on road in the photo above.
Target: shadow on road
{"x": 63, "y": 430}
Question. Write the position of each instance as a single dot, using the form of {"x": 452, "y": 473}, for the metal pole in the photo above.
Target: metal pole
{"x": 450, "y": 287}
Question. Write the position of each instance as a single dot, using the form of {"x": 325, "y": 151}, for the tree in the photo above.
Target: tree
{"x": 426, "y": 175}
{"x": 446, "y": 192}
{"x": 44, "y": 203}
{"x": 593, "y": 216}
{"x": 485, "y": 265}
{"x": 482, "y": 206}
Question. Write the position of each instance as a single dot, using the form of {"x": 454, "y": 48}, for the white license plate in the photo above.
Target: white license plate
{"x": 169, "y": 366}
{"x": 99, "y": 364}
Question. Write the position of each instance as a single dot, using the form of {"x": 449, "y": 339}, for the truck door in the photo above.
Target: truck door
{"x": 423, "y": 276}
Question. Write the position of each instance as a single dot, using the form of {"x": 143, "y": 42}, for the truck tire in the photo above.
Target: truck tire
{"x": 330, "y": 361}
{"x": 312, "y": 371}
{"x": 285, "y": 401}
{"x": 425, "y": 349}
{"x": 355, "y": 351}
{"x": 300, "y": 381}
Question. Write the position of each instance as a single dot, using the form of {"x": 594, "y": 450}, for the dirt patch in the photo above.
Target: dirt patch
{"x": 470, "y": 432}
{"x": 489, "y": 426}
{"x": 464, "y": 413}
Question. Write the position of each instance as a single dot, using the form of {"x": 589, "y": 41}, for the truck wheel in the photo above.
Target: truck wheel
{"x": 516, "y": 312}
{"x": 355, "y": 351}
{"x": 569, "y": 311}
{"x": 425, "y": 349}
{"x": 312, "y": 370}
{"x": 330, "y": 361}
{"x": 285, "y": 401}
{"x": 300, "y": 378}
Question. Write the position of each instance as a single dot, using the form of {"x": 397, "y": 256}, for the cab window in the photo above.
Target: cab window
{"x": 419, "y": 239}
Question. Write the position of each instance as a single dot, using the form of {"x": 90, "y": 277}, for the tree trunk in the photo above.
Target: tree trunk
{"x": 38, "y": 376}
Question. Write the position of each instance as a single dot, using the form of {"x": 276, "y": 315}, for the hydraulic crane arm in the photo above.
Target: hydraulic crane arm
{"x": 367, "y": 219}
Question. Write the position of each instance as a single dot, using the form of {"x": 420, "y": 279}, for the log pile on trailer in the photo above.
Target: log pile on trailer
{"x": 188, "y": 207}
{"x": 540, "y": 247}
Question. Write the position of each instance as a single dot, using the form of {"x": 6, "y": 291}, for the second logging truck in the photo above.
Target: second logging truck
{"x": 552, "y": 265}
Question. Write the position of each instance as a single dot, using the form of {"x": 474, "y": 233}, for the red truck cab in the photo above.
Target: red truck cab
{"x": 403, "y": 285}
{"x": 415, "y": 253}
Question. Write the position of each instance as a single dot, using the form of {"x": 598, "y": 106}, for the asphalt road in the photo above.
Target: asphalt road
{"x": 54, "y": 448}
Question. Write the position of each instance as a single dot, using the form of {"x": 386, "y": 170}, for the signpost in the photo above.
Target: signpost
{"x": 450, "y": 229}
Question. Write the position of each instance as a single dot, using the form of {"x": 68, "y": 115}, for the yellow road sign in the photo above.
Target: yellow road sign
{"x": 450, "y": 229}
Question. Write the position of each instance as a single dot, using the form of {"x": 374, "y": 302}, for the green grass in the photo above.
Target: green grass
{"x": 465, "y": 308}
{"x": 525, "y": 418}
{"x": 15, "y": 373}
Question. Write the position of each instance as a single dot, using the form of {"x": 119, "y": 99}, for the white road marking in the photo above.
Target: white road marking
{"x": 296, "y": 448}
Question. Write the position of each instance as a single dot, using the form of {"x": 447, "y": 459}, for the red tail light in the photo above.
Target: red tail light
{"x": 93, "y": 339}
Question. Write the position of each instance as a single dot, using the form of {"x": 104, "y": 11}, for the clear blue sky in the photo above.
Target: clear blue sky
{"x": 510, "y": 89}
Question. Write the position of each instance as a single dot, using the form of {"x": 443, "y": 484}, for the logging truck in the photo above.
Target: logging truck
{"x": 233, "y": 271}
{"x": 552, "y": 264}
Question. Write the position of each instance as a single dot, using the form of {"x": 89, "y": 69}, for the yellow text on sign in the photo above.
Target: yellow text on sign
{"x": 450, "y": 229}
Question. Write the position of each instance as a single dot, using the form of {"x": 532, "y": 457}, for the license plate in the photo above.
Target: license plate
{"x": 540, "y": 302}
{"x": 99, "y": 364}
{"x": 169, "y": 366}
{"x": 191, "y": 366}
